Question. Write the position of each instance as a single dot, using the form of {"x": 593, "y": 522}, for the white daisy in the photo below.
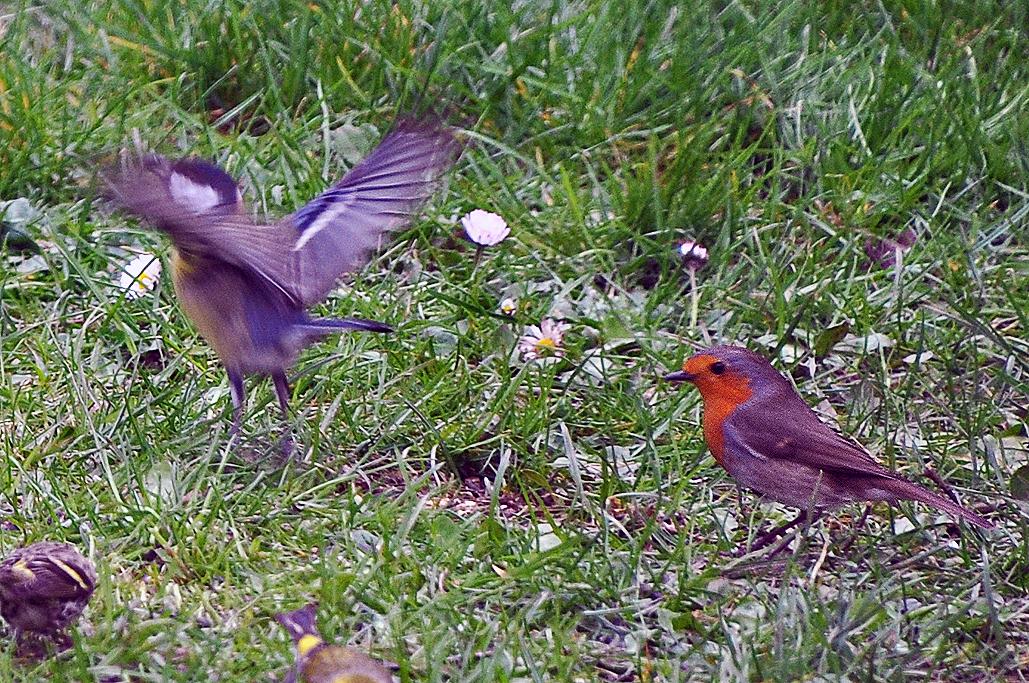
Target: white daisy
{"x": 509, "y": 306}
{"x": 140, "y": 275}
{"x": 543, "y": 340}
{"x": 485, "y": 228}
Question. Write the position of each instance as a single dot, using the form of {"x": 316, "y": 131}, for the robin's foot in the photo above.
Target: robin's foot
{"x": 767, "y": 538}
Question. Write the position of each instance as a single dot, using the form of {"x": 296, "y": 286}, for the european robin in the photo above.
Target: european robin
{"x": 247, "y": 285}
{"x": 321, "y": 662}
{"x": 44, "y": 587}
{"x": 763, "y": 433}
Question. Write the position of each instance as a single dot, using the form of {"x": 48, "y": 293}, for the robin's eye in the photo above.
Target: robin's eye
{"x": 718, "y": 368}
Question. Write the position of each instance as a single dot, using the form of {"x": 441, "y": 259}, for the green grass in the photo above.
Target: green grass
{"x": 592, "y": 537}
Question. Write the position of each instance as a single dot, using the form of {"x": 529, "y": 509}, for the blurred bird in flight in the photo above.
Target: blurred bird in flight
{"x": 763, "y": 433}
{"x": 246, "y": 284}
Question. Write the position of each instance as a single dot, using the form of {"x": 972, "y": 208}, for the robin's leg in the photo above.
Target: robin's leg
{"x": 769, "y": 537}
{"x": 858, "y": 526}
{"x": 810, "y": 516}
{"x": 238, "y": 398}
{"x": 282, "y": 392}
{"x": 35, "y": 647}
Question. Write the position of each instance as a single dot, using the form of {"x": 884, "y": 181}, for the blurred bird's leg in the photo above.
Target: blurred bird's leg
{"x": 63, "y": 641}
{"x": 31, "y": 647}
{"x": 282, "y": 392}
{"x": 238, "y": 397}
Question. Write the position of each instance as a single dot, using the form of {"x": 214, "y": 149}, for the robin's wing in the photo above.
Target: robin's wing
{"x": 198, "y": 205}
{"x": 792, "y": 431}
{"x": 336, "y": 232}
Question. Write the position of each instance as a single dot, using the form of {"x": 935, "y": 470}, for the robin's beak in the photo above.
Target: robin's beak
{"x": 681, "y": 376}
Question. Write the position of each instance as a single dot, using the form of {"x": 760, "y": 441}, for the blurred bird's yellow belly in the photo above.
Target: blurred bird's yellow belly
{"x": 214, "y": 296}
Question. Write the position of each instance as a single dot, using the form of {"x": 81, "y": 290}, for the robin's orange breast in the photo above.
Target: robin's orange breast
{"x": 721, "y": 399}
{"x": 715, "y": 412}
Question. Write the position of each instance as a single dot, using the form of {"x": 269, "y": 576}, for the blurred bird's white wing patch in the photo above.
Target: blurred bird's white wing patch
{"x": 170, "y": 194}
{"x": 338, "y": 229}
{"x": 200, "y": 186}
{"x": 194, "y": 196}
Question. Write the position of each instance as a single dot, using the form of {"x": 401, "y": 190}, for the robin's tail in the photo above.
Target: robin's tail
{"x": 910, "y": 491}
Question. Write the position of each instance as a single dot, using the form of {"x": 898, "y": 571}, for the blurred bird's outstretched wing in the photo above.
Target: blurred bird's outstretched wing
{"x": 336, "y": 231}
{"x": 199, "y": 206}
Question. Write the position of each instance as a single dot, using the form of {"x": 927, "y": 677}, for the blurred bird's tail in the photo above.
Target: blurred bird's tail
{"x": 300, "y": 622}
{"x": 321, "y": 326}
